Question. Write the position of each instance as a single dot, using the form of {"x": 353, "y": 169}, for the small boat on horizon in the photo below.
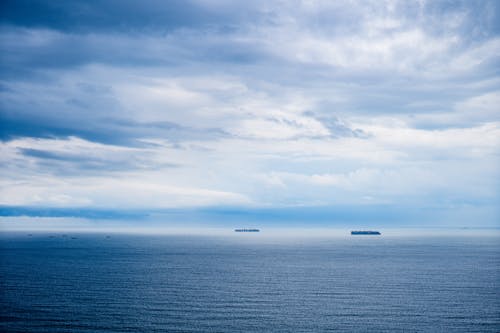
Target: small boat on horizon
{"x": 246, "y": 230}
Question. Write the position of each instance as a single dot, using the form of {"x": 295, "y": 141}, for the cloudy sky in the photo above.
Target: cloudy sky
{"x": 311, "y": 106}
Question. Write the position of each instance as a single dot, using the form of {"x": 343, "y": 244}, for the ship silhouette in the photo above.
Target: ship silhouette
{"x": 246, "y": 230}
{"x": 365, "y": 232}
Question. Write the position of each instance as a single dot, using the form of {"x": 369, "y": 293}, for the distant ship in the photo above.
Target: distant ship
{"x": 369, "y": 232}
{"x": 246, "y": 230}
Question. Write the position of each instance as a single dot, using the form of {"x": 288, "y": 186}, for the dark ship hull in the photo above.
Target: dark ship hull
{"x": 246, "y": 230}
{"x": 365, "y": 233}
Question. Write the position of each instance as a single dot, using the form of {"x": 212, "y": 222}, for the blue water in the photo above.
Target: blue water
{"x": 213, "y": 284}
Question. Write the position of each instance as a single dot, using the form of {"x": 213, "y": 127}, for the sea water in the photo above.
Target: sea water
{"x": 133, "y": 283}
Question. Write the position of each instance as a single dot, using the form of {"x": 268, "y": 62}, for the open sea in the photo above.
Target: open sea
{"x": 145, "y": 283}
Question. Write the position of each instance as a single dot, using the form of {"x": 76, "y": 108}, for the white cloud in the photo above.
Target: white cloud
{"x": 408, "y": 52}
{"x": 131, "y": 190}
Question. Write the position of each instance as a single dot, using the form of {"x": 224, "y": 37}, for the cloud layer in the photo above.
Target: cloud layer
{"x": 116, "y": 104}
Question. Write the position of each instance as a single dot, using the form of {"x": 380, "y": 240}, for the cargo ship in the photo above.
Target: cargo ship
{"x": 246, "y": 230}
{"x": 368, "y": 232}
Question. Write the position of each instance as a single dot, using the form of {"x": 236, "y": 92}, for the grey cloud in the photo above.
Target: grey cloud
{"x": 28, "y": 52}
{"x": 83, "y": 109}
{"x": 107, "y": 15}
{"x": 337, "y": 127}
{"x": 187, "y": 38}
{"x": 79, "y": 163}
{"x": 155, "y": 15}
{"x": 108, "y": 131}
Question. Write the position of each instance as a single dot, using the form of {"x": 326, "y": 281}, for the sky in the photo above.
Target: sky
{"x": 304, "y": 111}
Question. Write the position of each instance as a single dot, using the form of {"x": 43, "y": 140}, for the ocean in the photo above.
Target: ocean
{"x": 84, "y": 282}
